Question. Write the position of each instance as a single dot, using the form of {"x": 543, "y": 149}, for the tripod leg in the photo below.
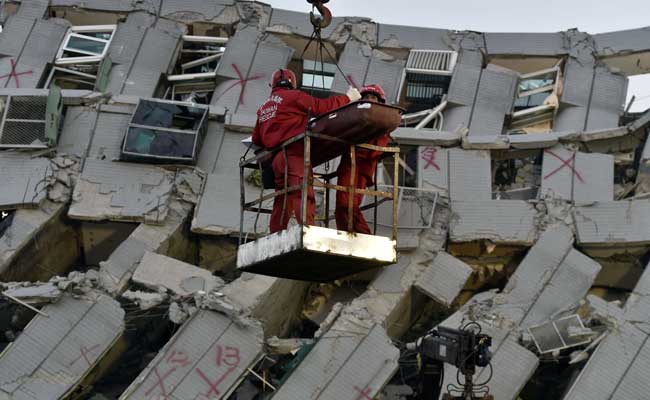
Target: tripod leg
{"x": 431, "y": 374}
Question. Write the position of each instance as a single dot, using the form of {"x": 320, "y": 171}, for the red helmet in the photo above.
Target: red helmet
{"x": 284, "y": 78}
{"x": 376, "y": 90}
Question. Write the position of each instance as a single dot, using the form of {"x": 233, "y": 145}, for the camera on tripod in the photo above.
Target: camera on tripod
{"x": 463, "y": 348}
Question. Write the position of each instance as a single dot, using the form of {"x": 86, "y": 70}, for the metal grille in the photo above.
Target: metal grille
{"x": 432, "y": 60}
{"x": 24, "y": 121}
{"x": 555, "y": 335}
{"x": 27, "y": 107}
{"x": 23, "y": 132}
{"x": 425, "y": 91}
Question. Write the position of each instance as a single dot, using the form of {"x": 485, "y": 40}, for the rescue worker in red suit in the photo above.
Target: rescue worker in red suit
{"x": 366, "y": 163}
{"x": 283, "y": 116}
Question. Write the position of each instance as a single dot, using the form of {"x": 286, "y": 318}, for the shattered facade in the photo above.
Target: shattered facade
{"x": 523, "y": 206}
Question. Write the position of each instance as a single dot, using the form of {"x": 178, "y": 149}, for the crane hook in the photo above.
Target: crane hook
{"x": 324, "y": 19}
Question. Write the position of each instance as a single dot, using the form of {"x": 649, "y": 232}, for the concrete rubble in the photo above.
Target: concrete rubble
{"x": 524, "y": 182}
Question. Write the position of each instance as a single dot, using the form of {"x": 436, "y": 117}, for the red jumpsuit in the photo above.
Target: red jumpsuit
{"x": 366, "y": 163}
{"x": 283, "y": 116}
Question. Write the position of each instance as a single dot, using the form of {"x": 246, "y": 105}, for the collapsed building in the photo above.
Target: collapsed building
{"x": 523, "y": 206}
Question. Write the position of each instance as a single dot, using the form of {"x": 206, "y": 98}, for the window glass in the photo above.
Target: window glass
{"x": 160, "y": 143}
{"x": 167, "y": 115}
{"x": 85, "y": 45}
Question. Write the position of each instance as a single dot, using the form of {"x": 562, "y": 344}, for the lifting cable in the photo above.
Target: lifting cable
{"x": 319, "y": 23}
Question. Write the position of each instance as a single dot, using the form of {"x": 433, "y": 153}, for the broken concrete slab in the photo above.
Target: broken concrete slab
{"x": 297, "y": 23}
{"x": 444, "y": 279}
{"x": 270, "y": 54}
{"x": 615, "y": 224}
{"x": 387, "y": 71}
{"x": 494, "y": 99}
{"x": 464, "y": 173}
{"x": 433, "y": 168}
{"x": 607, "y": 99}
{"x": 618, "y": 367}
{"x": 154, "y": 58}
{"x": 470, "y": 175}
{"x": 388, "y": 298}
{"x": 576, "y": 176}
{"x": 533, "y": 140}
{"x": 208, "y": 347}
{"x": 552, "y": 279}
{"x": 410, "y": 37}
{"x": 500, "y": 221}
{"x": 625, "y": 50}
{"x": 156, "y": 271}
{"x": 343, "y": 365}
{"x": 25, "y": 179}
{"x": 486, "y": 142}
{"x": 77, "y": 130}
{"x": 199, "y": 11}
{"x": 425, "y": 137}
{"x": 120, "y": 191}
{"x": 55, "y": 352}
{"x": 275, "y": 302}
{"x": 462, "y": 90}
{"x": 36, "y": 49}
{"x": 168, "y": 239}
{"x": 222, "y": 187}
{"x": 47, "y": 292}
{"x": 525, "y": 44}
{"x": 574, "y": 102}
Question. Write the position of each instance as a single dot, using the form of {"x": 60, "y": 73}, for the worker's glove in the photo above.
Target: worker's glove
{"x": 353, "y": 94}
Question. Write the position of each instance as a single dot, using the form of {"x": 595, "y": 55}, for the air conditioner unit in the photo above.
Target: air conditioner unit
{"x": 440, "y": 62}
{"x": 163, "y": 131}
{"x": 31, "y": 121}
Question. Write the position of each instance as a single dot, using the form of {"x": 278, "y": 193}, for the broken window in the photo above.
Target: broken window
{"x": 165, "y": 131}
{"x": 536, "y": 102}
{"x": 30, "y": 121}
{"x": 517, "y": 176}
{"x": 317, "y": 75}
{"x": 81, "y": 62}
{"x": 408, "y": 162}
{"x": 426, "y": 79}
{"x": 194, "y": 76}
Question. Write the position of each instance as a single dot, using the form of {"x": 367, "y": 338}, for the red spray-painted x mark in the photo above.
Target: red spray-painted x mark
{"x": 84, "y": 354}
{"x": 565, "y": 163}
{"x": 214, "y": 387}
{"x": 15, "y": 74}
{"x": 242, "y": 81}
{"x": 160, "y": 382}
{"x": 363, "y": 394}
{"x": 429, "y": 156}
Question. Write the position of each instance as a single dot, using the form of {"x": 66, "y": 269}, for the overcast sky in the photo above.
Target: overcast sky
{"x": 593, "y": 16}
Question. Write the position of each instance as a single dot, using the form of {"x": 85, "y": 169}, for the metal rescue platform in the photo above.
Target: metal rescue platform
{"x": 319, "y": 253}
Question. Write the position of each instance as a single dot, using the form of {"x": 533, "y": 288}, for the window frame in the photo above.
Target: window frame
{"x": 321, "y": 72}
{"x": 89, "y": 57}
